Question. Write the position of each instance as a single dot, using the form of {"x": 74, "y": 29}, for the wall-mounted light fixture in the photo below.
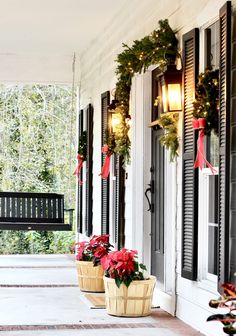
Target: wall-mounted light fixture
{"x": 171, "y": 89}
{"x": 114, "y": 120}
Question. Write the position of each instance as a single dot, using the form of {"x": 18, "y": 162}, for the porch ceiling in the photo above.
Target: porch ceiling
{"x": 38, "y": 38}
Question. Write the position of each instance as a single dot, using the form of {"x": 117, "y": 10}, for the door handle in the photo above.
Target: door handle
{"x": 149, "y": 189}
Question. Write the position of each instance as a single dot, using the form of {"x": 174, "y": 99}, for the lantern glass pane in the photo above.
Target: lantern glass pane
{"x": 164, "y": 98}
{"x": 115, "y": 121}
{"x": 174, "y": 97}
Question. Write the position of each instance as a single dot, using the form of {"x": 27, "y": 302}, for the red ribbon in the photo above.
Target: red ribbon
{"x": 79, "y": 167}
{"x": 106, "y": 167}
{"x": 200, "y": 124}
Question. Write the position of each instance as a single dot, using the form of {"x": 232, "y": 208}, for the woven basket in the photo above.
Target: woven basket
{"x": 136, "y": 300}
{"x": 90, "y": 277}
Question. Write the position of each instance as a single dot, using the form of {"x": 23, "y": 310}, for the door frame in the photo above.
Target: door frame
{"x": 141, "y": 98}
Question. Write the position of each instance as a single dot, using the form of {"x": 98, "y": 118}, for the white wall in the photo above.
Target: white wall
{"x": 97, "y": 76}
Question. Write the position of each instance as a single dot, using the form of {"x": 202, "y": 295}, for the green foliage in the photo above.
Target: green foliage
{"x": 109, "y": 140}
{"x": 83, "y": 145}
{"x": 206, "y": 104}
{"x": 157, "y": 48}
{"x": 122, "y": 140}
{"x": 143, "y": 267}
{"x": 36, "y": 242}
{"x": 160, "y": 47}
{"x": 169, "y": 122}
{"x": 37, "y": 133}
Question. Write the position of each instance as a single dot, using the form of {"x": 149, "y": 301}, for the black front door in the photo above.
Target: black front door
{"x": 157, "y": 191}
{"x": 157, "y": 215}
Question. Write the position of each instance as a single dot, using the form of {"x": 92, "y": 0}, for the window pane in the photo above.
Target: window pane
{"x": 213, "y": 199}
{"x": 212, "y": 223}
{"x": 213, "y": 45}
{"x": 214, "y": 149}
{"x": 212, "y": 248}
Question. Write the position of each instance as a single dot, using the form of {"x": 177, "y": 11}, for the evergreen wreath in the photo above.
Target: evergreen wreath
{"x": 109, "y": 140}
{"x": 157, "y": 48}
{"x": 82, "y": 150}
{"x": 206, "y": 104}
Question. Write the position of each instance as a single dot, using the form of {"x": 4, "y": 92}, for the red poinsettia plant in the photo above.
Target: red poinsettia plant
{"x": 123, "y": 266}
{"x": 228, "y": 300}
{"x": 94, "y": 249}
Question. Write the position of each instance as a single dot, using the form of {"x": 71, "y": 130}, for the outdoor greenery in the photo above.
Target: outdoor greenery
{"x": 160, "y": 47}
{"x": 206, "y": 104}
{"x": 37, "y": 154}
{"x": 169, "y": 122}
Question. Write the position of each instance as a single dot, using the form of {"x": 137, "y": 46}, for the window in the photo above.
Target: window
{"x": 208, "y": 183}
{"x": 212, "y": 223}
{"x": 212, "y": 59}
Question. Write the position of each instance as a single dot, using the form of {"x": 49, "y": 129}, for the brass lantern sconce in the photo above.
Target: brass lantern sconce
{"x": 171, "y": 89}
{"x": 113, "y": 118}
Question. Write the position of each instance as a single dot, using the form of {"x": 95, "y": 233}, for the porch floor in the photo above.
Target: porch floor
{"x": 39, "y": 296}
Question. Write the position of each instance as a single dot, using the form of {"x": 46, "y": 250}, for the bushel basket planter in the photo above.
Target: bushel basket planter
{"x": 90, "y": 277}
{"x": 134, "y": 301}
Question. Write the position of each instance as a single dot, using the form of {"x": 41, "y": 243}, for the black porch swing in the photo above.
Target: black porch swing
{"x": 33, "y": 210}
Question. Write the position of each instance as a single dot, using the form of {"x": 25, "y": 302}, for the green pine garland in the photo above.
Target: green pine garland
{"x": 206, "y": 104}
{"x": 157, "y": 48}
{"x": 82, "y": 151}
{"x": 169, "y": 122}
{"x": 109, "y": 140}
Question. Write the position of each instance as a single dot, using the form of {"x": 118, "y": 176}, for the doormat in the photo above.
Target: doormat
{"x": 97, "y": 301}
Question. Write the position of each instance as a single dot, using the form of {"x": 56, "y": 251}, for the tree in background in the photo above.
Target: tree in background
{"x": 38, "y": 142}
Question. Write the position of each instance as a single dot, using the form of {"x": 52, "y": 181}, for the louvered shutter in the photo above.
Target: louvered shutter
{"x": 89, "y": 171}
{"x": 80, "y": 186}
{"x": 190, "y": 175}
{"x": 119, "y": 202}
{"x": 105, "y": 101}
{"x": 233, "y": 162}
{"x": 224, "y": 142}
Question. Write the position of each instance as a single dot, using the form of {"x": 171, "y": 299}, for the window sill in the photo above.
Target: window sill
{"x": 209, "y": 284}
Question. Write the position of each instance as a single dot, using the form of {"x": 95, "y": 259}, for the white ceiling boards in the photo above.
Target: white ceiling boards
{"x": 38, "y": 38}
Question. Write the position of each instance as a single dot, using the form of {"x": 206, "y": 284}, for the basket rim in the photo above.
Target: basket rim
{"x": 150, "y": 279}
{"x": 82, "y": 262}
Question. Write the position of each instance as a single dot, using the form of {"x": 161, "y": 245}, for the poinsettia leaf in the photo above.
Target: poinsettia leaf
{"x": 229, "y": 330}
{"x": 96, "y": 262}
{"x": 127, "y": 282}
{"x": 141, "y": 277}
{"x": 118, "y": 282}
{"x": 136, "y": 267}
{"x": 143, "y": 267}
{"x": 224, "y": 318}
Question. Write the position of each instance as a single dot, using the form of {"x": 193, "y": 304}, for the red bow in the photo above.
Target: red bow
{"x": 79, "y": 167}
{"x": 200, "y": 124}
{"x": 106, "y": 167}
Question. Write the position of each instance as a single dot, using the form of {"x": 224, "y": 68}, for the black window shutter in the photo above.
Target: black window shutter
{"x": 105, "y": 101}
{"x": 119, "y": 202}
{"x": 190, "y": 175}
{"x": 80, "y": 187}
{"x": 224, "y": 142}
{"x": 89, "y": 171}
{"x": 233, "y": 162}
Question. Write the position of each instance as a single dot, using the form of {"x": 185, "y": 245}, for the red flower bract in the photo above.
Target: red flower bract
{"x": 123, "y": 266}
{"x": 94, "y": 250}
{"x": 100, "y": 251}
